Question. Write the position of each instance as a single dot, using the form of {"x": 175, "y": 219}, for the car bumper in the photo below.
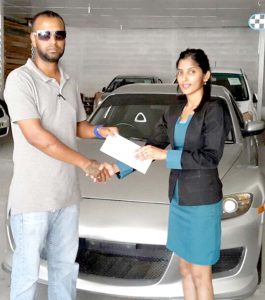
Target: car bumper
{"x": 241, "y": 281}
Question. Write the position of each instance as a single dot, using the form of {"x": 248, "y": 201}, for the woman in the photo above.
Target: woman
{"x": 196, "y": 126}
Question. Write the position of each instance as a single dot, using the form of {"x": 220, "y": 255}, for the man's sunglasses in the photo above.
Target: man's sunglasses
{"x": 45, "y": 35}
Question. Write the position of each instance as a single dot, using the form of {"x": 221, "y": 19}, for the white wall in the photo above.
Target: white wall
{"x": 95, "y": 56}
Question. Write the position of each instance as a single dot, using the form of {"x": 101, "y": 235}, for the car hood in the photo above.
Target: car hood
{"x": 137, "y": 187}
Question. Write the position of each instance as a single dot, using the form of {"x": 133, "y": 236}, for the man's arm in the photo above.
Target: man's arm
{"x": 46, "y": 142}
{"x": 85, "y": 130}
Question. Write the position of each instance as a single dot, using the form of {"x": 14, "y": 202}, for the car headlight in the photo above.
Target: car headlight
{"x": 235, "y": 205}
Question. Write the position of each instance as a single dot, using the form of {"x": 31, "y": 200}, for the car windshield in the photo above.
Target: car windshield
{"x": 235, "y": 83}
{"x": 118, "y": 82}
{"x": 134, "y": 114}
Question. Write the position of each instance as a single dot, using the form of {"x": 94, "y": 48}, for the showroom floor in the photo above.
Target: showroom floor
{"x": 5, "y": 176}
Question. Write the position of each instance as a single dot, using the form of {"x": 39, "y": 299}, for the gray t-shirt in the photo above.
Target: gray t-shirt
{"x": 40, "y": 182}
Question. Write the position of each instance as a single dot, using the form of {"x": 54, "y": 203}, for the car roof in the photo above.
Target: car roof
{"x": 227, "y": 70}
{"x": 143, "y": 88}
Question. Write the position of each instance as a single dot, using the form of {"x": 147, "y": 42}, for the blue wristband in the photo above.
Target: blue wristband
{"x": 96, "y": 132}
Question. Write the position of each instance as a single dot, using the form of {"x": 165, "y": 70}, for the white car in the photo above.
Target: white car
{"x": 235, "y": 80}
{"x": 4, "y": 122}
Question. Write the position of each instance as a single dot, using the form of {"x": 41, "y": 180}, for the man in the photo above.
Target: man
{"x": 47, "y": 114}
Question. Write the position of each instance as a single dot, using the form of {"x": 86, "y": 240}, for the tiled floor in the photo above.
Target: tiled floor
{"x": 5, "y": 176}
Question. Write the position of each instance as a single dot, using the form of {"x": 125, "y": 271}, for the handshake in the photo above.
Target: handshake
{"x": 120, "y": 148}
{"x": 100, "y": 172}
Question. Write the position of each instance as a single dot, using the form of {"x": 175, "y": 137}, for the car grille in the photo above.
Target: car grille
{"x": 229, "y": 259}
{"x": 138, "y": 261}
{"x": 122, "y": 260}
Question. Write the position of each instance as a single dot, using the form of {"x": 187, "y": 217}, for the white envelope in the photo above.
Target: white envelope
{"x": 123, "y": 150}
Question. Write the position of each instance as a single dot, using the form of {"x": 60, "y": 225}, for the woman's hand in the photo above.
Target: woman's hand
{"x": 100, "y": 172}
{"x": 151, "y": 152}
{"x": 106, "y": 171}
{"x": 112, "y": 169}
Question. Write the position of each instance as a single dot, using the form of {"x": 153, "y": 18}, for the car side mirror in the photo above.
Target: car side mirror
{"x": 104, "y": 89}
{"x": 253, "y": 128}
{"x": 255, "y": 98}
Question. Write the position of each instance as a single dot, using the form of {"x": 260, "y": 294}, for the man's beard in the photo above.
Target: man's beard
{"x": 48, "y": 58}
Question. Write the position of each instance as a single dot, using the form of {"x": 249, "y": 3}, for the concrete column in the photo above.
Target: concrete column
{"x": 261, "y": 85}
{"x": 1, "y": 49}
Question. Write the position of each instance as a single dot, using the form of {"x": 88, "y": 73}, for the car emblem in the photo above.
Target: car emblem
{"x": 257, "y": 22}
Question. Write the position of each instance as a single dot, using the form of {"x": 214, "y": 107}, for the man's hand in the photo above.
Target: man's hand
{"x": 92, "y": 168}
{"x": 106, "y": 171}
{"x": 100, "y": 172}
{"x": 105, "y": 131}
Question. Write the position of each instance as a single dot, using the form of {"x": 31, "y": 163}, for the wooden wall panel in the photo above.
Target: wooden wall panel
{"x": 17, "y": 47}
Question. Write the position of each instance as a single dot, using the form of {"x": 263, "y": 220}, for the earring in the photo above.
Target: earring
{"x": 32, "y": 53}
{"x": 205, "y": 82}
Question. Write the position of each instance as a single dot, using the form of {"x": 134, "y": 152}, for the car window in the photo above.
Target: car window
{"x": 135, "y": 114}
{"x": 235, "y": 83}
{"x": 113, "y": 85}
{"x": 118, "y": 82}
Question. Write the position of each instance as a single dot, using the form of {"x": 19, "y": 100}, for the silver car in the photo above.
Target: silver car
{"x": 123, "y": 223}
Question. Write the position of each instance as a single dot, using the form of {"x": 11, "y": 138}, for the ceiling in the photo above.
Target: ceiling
{"x": 141, "y": 14}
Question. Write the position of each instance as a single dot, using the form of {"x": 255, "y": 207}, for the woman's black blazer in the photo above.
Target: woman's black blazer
{"x": 198, "y": 180}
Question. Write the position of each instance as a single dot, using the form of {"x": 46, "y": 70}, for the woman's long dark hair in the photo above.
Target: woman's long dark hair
{"x": 201, "y": 59}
